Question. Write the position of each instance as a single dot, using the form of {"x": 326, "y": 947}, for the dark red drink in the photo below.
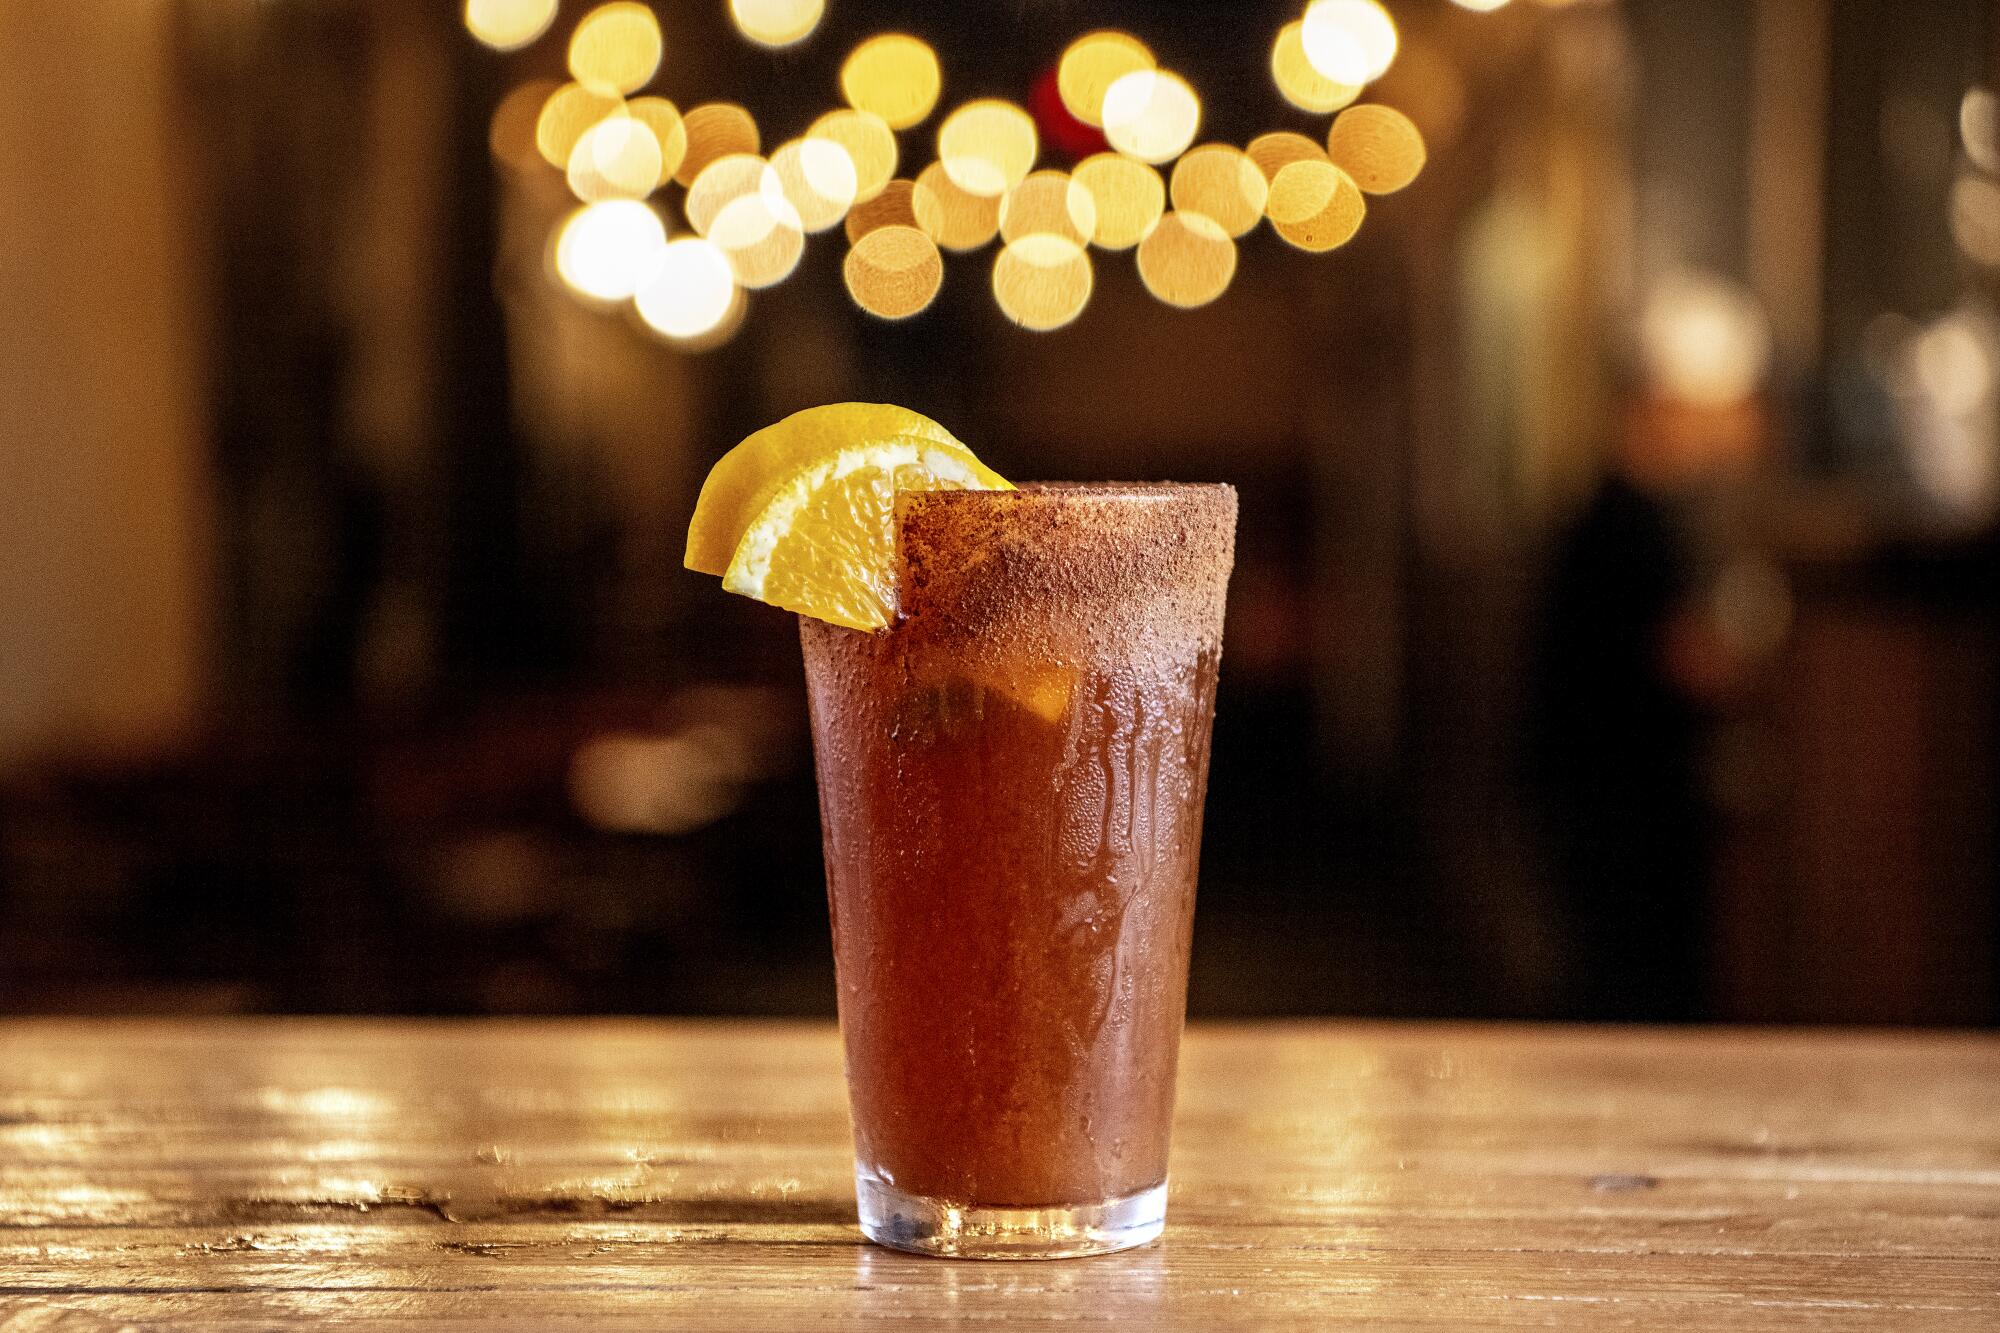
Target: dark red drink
{"x": 1011, "y": 782}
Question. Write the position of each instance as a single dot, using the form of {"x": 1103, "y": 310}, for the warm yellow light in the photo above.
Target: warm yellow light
{"x": 954, "y": 218}
{"x": 1302, "y": 85}
{"x": 715, "y": 129}
{"x": 1349, "y": 41}
{"x": 1048, "y": 203}
{"x": 761, "y": 234}
{"x": 1091, "y": 65}
{"x": 1220, "y": 182}
{"x": 1378, "y": 146}
{"x": 818, "y": 177}
{"x": 1481, "y": 6}
{"x": 893, "y": 206}
{"x": 618, "y": 158}
{"x": 894, "y": 76}
{"x": 615, "y": 48}
{"x": 1042, "y": 281}
{"x": 1277, "y": 150}
{"x": 1703, "y": 339}
{"x": 722, "y": 181}
{"x": 664, "y": 119}
{"x": 1128, "y": 198}
{"x": 988, "y": 146}
{"x": 776, "y": 22}
{"x": 893, "y": 272}
{"x": 1979, "y": 128}
{"x": 1975, "y": 219}
{"x": 570, "y": 110}
{"x": 608, "y": 251}
{"x": 511, "y": 134}
{"x": 1151, "y": 114}
{"x": 1315, "y": 205}
{"x": 507, "y": 25}
{"x": 869, "y": 143}
{"x": 1187, "y": 260}
{"x": 691, "y": 292}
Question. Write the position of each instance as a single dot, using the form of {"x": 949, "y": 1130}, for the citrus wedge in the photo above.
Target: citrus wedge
{"x": 824, "y": 544}
{"x": 743, "y": 481}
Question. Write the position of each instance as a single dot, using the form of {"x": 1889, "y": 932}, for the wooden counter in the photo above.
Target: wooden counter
{"x": 246, "y": 1174}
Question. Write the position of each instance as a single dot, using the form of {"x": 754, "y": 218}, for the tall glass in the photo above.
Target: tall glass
{"x": 1011, "y": 781}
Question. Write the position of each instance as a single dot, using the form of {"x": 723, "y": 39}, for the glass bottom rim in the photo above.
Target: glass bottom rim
{"x": 943, "y": 1228}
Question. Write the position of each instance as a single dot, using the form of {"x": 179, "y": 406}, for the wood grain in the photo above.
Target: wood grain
{"x": 251, "y": 1174}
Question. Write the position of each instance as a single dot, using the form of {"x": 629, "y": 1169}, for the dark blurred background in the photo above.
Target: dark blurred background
{"x": 1615, "y": 630}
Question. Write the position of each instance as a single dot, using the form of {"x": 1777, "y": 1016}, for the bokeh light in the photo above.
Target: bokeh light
{"x": 987, "y": 146}
{"x": 1220, "y": 182}
{"x": 1979, "y": 128}
{"x": 726, "y": 179}
{"x": 569, "y": 111}
{"x": 1377, "y": 145}
{"x": 893, "y": 206}
{"x": 1277, "y": 150}
{"x": 615, "y": 48}
{"x": 1128, "y": 197}
{"x": 1349, "y": 41}
{"x": 894, "y": 76}
{"x": 508, "y": 25}
{"x": 1299, "y": 83}
{"x": 1048, "y": 203}
{"x": 664, "y": 119}
{"x": 1481, "y": 6}
{"x": 1187, "y": 260}
{"x": 715, "y": 129}
{"x": 1703, "y": 339}
{"x": 1315, "y": 205}
{"x": 956, "y": 219}
{"x": 760, "y": 233}
{"x": 869, "y": 143}
{"x": 776, "y": 22}
{"x": 1091, "y": 64}
{"x": 1975, "y": 218}
{"x": 817, "y": 176}
{"x": 608, "y": 251}
{"x": 1151, "y": 114}
{"x": 893, "y": 272}
{"x": 691, "y": 290}
{"x": 617, "y": 158}
{"x": 1042, "y": 281}
{"x": 511, "y": 133}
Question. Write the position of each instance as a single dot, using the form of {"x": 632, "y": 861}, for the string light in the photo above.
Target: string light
{"x": 752, "y": 216}
{"x": 1128, "y": 197}
{"x": 608, "y": 251}
{"x": 691, "y": 290}
{"x": 1042, "y": 281}
{"x": 893, "y": 272}
{"x": 868, "y": 142}
{"x": 1220, "y": 182}
{"x": 1378, "y": 146}
{"x": 1349, "y": 41}
{"x": 1048, "y": 203}
{"x": 776, "y": 22}
{"x": 894, "y": 76}
{"x": 1091, "y": 65}
{"x": 956, "y": 219}
{"x": 1300, "y": 84}
{"x": 615, "y": 48}
{"x": 1187, "y": 260}
{"x": 508, "y": 25}
{"x": 715, "y": 129}
{"x": 987, "y": 146}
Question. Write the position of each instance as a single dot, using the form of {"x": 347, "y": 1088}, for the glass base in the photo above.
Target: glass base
{"x": 940, "y": 1227}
